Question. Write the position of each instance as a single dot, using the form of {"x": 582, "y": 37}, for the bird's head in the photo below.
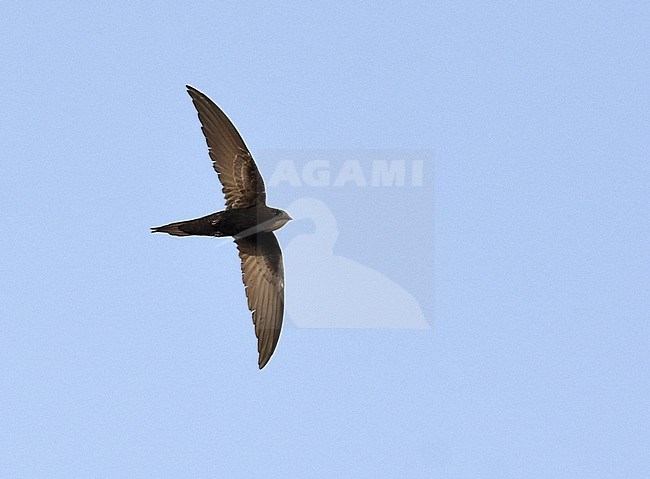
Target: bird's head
{"x": 274, "y": 219}
{"x": 278, "y": 219}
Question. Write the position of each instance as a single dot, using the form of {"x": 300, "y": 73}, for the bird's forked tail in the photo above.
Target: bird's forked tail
{"x": 172, "y": 229}
{"x": 201, "y": 226}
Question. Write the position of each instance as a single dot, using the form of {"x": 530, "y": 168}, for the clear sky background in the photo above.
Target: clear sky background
{"x": 124, "y": 354}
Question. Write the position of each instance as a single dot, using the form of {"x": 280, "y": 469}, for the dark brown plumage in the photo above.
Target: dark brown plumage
{"x": 247, "y": 218}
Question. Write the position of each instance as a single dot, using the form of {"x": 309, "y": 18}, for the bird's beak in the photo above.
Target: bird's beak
{"x": 289, "y": 218}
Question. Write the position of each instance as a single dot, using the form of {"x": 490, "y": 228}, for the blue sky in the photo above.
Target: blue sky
{"x": 126, "y": 354}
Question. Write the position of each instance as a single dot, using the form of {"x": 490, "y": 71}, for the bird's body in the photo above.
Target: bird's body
{"x": 237, "y": 223}
{"x": 246, "y": 218}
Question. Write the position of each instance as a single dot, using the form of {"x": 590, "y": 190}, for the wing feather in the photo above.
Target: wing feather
{"x": 263, "y": 276}
{"x": 242, "y": 183}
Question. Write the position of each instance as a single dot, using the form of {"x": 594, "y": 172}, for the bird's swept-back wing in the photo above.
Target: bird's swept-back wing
{"x": 242, "y": 183}
{"x": 263, "y": 275}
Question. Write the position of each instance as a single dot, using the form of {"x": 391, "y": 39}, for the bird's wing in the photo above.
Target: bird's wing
{"x": 243, "y": 185}
{"x": 263, "y": 275}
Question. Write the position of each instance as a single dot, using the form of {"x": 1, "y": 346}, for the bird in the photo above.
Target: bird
{"x": 246, "y": 218}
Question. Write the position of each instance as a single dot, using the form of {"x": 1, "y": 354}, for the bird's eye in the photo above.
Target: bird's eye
{"x": 276, "y": 213}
